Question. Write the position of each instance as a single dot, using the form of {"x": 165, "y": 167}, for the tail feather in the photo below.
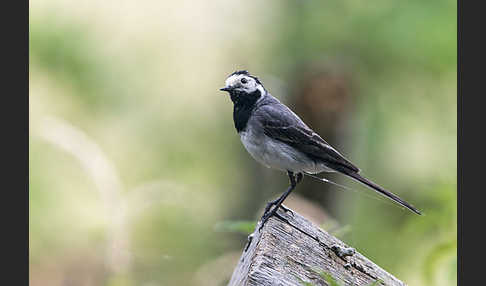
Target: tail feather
{"x": 380, "y": 190}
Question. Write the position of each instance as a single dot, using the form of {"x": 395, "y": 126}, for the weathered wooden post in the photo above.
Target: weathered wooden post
{"x": 290, "y": 250}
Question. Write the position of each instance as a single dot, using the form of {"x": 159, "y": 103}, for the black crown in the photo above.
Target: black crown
{"x": 245, "y": 72}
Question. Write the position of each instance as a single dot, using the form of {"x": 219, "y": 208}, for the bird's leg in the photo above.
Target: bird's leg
{"x": 298, "y": 178}
{"x": 278, "y": 202}
{"x": 269, "y": 205}
{"x": 274, "y": 202}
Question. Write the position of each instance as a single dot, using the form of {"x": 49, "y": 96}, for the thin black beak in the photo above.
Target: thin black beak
{"x": 225, "y": 88}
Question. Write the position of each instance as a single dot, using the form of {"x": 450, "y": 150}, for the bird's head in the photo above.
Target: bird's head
{"x": 243, "y": 85}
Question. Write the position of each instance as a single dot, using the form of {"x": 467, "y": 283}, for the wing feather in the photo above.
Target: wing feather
{"x": 290, "y": 129}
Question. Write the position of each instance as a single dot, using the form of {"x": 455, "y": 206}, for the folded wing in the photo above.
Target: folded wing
{"x": 291, "y": 130}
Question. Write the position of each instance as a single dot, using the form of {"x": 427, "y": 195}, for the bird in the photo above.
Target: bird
{"x": 277, "y": 138}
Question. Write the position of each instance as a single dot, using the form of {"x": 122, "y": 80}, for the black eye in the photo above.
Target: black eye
{"x": 244, "y": 80}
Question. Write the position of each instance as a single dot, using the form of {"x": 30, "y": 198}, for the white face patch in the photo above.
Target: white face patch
{"x": 233, "y": 80}
{"x": 245, "y": 83}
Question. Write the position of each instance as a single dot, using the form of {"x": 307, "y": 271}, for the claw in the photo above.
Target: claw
{"x": 287, "y": 210}
{"x": 265, "y": 217}
{"x": 269, "y": 206}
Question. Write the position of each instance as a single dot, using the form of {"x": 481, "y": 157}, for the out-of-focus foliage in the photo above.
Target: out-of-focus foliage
{"x": 244, "y": 227}
{"x": 135, "y": 166}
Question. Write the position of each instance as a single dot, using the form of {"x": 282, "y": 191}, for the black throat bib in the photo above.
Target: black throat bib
{"x": 243, "y": 105}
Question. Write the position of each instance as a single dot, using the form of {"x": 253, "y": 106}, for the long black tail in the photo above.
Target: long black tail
{"x": 379, "y": 189}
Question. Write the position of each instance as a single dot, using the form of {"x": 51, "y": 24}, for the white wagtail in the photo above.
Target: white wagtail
{"x": 277, "y": 138}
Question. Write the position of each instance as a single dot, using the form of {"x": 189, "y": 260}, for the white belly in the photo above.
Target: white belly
{"x": 275, "y": 154}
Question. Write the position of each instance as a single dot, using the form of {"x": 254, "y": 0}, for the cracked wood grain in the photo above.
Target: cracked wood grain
{"x": 290, "y": 249}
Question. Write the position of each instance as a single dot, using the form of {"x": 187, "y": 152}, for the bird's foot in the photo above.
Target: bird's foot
{"x": 269, "y": 206}
{"x": 287, "y": 210}
{"x": 273, "y": 203}
{"x": 266, "y": 216}
{"x": 270, "y": 212}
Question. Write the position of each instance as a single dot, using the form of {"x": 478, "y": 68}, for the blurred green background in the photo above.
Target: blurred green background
{"x": 137, "y": 175}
